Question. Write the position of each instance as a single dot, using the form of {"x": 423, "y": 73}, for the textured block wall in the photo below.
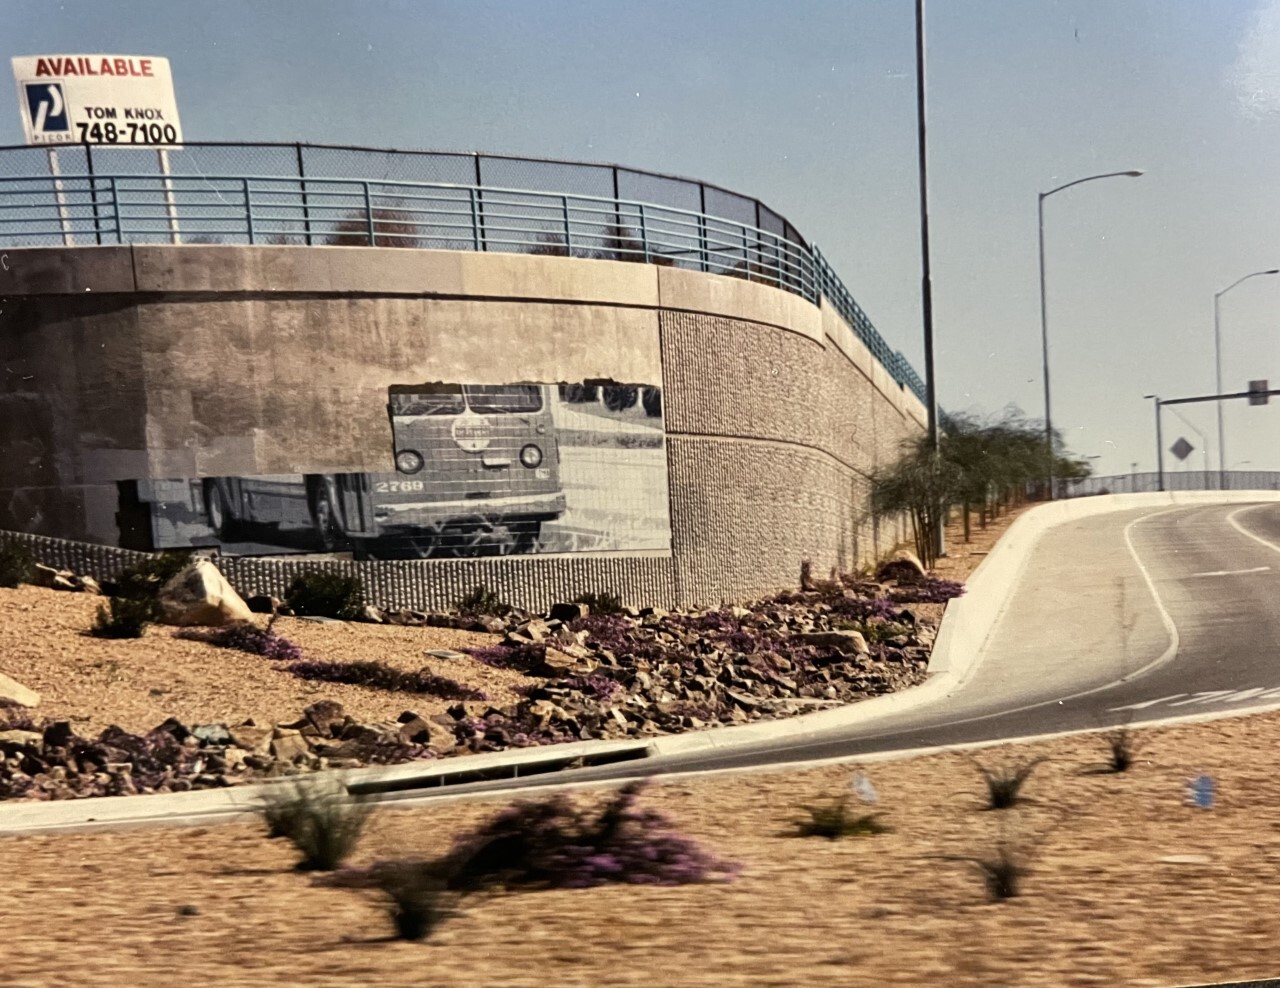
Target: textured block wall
{"x": 775, "y": 415}
{"x": 772, "y": 438}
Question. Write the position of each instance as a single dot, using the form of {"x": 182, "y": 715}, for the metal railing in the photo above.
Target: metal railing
{"x": 146, "y": 197}
{"x": 1180, "y": 480}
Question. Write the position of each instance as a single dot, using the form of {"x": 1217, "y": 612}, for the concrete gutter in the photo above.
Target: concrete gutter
{"x": 966, "y": 624}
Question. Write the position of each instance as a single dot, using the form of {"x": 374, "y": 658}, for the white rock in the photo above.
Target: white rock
{"x": 200, "y": 594}
{"x": 11, "y": 689}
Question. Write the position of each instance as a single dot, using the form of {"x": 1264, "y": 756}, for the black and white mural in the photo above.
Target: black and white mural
{"x": 480, "y": 470}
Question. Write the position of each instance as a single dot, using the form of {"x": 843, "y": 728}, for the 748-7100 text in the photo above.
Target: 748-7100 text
{"x": 127, "y": 133}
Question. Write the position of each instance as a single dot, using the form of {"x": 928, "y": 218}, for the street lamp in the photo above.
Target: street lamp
{"x": 1217, "y": 353}
{"x": 1044, "y": 316}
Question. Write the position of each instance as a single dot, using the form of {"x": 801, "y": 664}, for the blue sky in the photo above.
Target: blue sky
{"x": 810, "y": 106}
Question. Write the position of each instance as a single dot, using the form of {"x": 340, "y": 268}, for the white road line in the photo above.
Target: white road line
{"x": 1234, "y": 572}
{"x": 1144, "y": 704}
{"x": 1166, "y": 656}
{"x": 1204, "y": 697}
{"x": 1231, "y": 520}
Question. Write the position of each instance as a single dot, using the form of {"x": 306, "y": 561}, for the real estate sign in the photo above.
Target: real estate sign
{"x": 97, "y": 99}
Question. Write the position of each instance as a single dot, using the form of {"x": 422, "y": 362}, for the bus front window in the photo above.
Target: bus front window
{"x": 490, "y": 399}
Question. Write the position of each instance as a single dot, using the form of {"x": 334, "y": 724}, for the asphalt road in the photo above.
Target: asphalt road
{"x": 1117, "y": 619}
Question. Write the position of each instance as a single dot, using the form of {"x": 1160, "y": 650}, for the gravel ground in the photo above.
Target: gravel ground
{"x": 138, "y": 683}
{"x": 1099, "y": 907}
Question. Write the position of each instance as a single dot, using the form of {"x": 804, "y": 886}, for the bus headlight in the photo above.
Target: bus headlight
{"x": 408, "y": 461}
{"x": 531, "y": 456}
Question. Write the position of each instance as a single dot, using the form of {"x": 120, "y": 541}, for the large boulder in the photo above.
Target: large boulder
{"x": 903, "y": 565}
{"x": 14, "y": 692}
{"x": 200, "y": 594}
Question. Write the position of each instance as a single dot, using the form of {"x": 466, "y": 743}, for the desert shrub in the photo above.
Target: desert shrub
{"x": 601, "y": 603}
{"x": 929, "y": 590}
{"x": 876, "y": 632}
{"x": 597, "y": 686}
{"x": 1122, "y": 748}
{"x": 144, "y": 580}
{"x": 419, "y": 902}
{"x": 1004, "y": 784}
{"x": 15, "y": 564}
{"x": 383, "y": 677}
{"x": 417, "y": 893}
{"x": 608, "y": 630}
{"x": 864, "y": 608}
{"x": 483, "y": 601}
{"x": 553, "y": 844}
{"x": 317, "y": 593}
{"x": 1002, "y": 872}
{"x": 123, "y": 617}
{"x": 520, "y": 658}
{"x": 836, "y": 820}
{"x": 244, "y": 636}
{"x": 322, "y": 820}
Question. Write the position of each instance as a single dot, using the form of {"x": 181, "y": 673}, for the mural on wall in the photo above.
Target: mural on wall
{"x": 480, "y": 470}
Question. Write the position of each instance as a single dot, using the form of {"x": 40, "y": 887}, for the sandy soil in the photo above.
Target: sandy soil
{"x": 138, "y": 683}
{"x": 1099, "y": 907}
{"x": 962, "y": 557}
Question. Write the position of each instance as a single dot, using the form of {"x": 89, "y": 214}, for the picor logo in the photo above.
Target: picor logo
{"x": 47, "y": 107}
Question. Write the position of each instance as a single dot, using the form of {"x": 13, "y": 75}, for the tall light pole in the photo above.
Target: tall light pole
{"x": 1044, "y": 314}
{"x": 1217, "y": 354}
{"x": 926, "y": 282}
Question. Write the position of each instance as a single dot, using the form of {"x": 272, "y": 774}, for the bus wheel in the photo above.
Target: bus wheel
{"x": 619, "y": 397}
{"x": 487, "y": 539}
{"x": 652, "y": 402}
{"x": 527, "y": 535}
{"x": 422, "y": 546}
{"x": 325, "y": 519}
{"x": 217, "y": 510}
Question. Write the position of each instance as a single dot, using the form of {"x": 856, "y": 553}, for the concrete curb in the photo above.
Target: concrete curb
{"x": 967, "y": 622}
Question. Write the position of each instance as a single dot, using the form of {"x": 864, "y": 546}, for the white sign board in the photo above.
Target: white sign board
{"x": 97, "y": 99}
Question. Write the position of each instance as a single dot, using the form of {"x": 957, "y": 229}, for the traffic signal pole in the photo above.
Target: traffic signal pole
{"x": 1257, "y": 395}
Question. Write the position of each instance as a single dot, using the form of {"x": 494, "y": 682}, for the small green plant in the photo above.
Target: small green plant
{"x": 875, "y": 632}
{"x": 1122, "y": 749}
{"x": 322, "y": 820}
{"x": 836, "y": 820}
{"x": 144, "y": 580}
{"x": 420, "y": 901}
{"x": 123, "y": 617}
{"x": 318, "y": 593}
{"x": 418, "y": 892}
{"x": 1002, "y": 872}
{"x": 483, "y": 601}
{"x": 15, "y": 564}
{"x": 1004, "y": 784}
{"x": 601, "y": 603}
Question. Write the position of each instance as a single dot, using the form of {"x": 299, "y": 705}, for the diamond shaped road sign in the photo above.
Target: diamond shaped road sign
{"x": 1181, "y": 449}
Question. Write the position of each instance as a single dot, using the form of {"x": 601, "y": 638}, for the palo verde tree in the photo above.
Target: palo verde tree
{"x": 980, "y": 463}
{"x": 923, "y": 485}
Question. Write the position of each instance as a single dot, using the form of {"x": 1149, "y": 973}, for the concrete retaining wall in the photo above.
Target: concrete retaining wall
{"x": 127, "y": 363}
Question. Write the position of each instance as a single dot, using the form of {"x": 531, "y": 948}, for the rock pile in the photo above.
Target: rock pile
{"x": 49, "y": 760}
{"x": 601, "y": 676}
{"x": 639, "y": 674}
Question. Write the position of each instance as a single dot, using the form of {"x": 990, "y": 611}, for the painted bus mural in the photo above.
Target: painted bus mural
{"x": 480, "y": 470}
